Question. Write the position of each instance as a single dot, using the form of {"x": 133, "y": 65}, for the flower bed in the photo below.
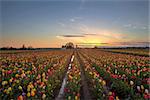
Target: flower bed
{"x": 32, "y": 75}
{"x": 97, "y": 84}
{"x": 120, "y": 71}
{"x": 73, "y": 85}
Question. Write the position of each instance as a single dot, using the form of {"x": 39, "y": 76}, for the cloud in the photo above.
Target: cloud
{"x": 93, "y": 35}
{"x": 89, "y": 34}
{"x": 128, "y": 25}
{"x": 77, "y": 35}
{"x": 72, "y": 20}
{"x": 75, "y": 19}
{"x": 61, "y": 24}
{"x": 144, "y": 28}
{"x": 135, "y": 26}
{"x": 72, "y": 35}
{"x": 102, "y": 33}
{"x": 91, "y": 43}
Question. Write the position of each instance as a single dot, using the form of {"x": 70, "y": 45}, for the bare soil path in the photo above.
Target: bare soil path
{"x": 85, "y": 94}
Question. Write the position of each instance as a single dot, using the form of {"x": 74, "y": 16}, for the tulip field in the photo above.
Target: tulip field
{"x": 117, "y": 76}
{"x": 142, "y": 52}
{"x": 74, "y": 74}
{"x": 32, "y": 75}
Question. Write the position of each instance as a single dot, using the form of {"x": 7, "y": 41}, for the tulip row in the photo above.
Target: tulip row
{"x": 115, "y": 75}
{"x": 97, "y": 82}
{"x": 131, "y": 66}
{"x": 73, "y": 84}
{"x": 33, "y": 75}
{"x": 142, "y": 52}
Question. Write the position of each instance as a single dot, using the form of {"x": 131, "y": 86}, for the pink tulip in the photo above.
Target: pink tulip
{"x": 9, "y": 72}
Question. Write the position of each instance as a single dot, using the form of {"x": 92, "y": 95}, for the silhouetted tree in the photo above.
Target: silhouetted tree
{"x": 69, "y": 45}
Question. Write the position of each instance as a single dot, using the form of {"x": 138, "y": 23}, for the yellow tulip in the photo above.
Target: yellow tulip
{"x": 4, "y": 82}
{"x": 90, "y": 73}
{"x": 117, "y": 98}
{"x": 110, "y": 93}
{"x": 16, "y": 75}
{"x": 17, "y": 81}
{"x": 100, "y": 80}
{"x": 43, "y": 74}
{"x": 103, "y": 82}
{"x": 10, "y": 80}
{"x": 28, "y": 94}
{"x": 20, "y": 88}
{"x": 69, "y": 97}
{"x": 28, "y": 72}
{"x": 28, "y": 89}
{"x": 34, "y": 89}
{"x": 9, "y": 88}
{"x": 7, "y": 92}
{"x": 76, "y": 98}
{"x": 142, "y": 87}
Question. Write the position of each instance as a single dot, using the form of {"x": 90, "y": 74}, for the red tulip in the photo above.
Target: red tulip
{"x": 133, "y": 71}
{"x": 20, "y": 97}
{"x": 65, "y": 89}
{"x": 111, "y": 97}
{"x": 133, "y": 77}
{"x": 147, "y": 96}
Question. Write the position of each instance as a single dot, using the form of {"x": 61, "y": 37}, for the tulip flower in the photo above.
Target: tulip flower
{"x": 146, "y": 96}
{"x": 11, "y": 80}
{"x": 9, "y": 89}
{"x": 131, "y": 83}
{"x": 43, "y": 96}
{"x": 28, "y": 94}
{"x": 117, "y": 98}
{"x": 103, "y": 82}
{"x": 20, "y": 97}
{"x": 20, "y": 87}
{"x": 32, "y": 93}
{"x": 142, "y": 87}
{"x": 111, "y": 98}
{"x": 138, "y": 88}
{"x": 4, "y": 82}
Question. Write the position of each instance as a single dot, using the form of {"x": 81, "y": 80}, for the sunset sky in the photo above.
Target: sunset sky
{"x": 52, "y": 23}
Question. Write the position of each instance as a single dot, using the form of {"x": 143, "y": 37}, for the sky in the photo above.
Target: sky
{"x": 52, "y": 23}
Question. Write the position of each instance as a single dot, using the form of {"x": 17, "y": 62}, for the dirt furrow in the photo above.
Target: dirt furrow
{"x": 85, "y": 91}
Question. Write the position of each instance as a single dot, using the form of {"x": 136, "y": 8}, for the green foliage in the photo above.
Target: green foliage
{"x": 120, "y": 88}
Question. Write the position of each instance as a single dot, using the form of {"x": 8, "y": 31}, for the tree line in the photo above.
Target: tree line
{"x": 21, "y": 48}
